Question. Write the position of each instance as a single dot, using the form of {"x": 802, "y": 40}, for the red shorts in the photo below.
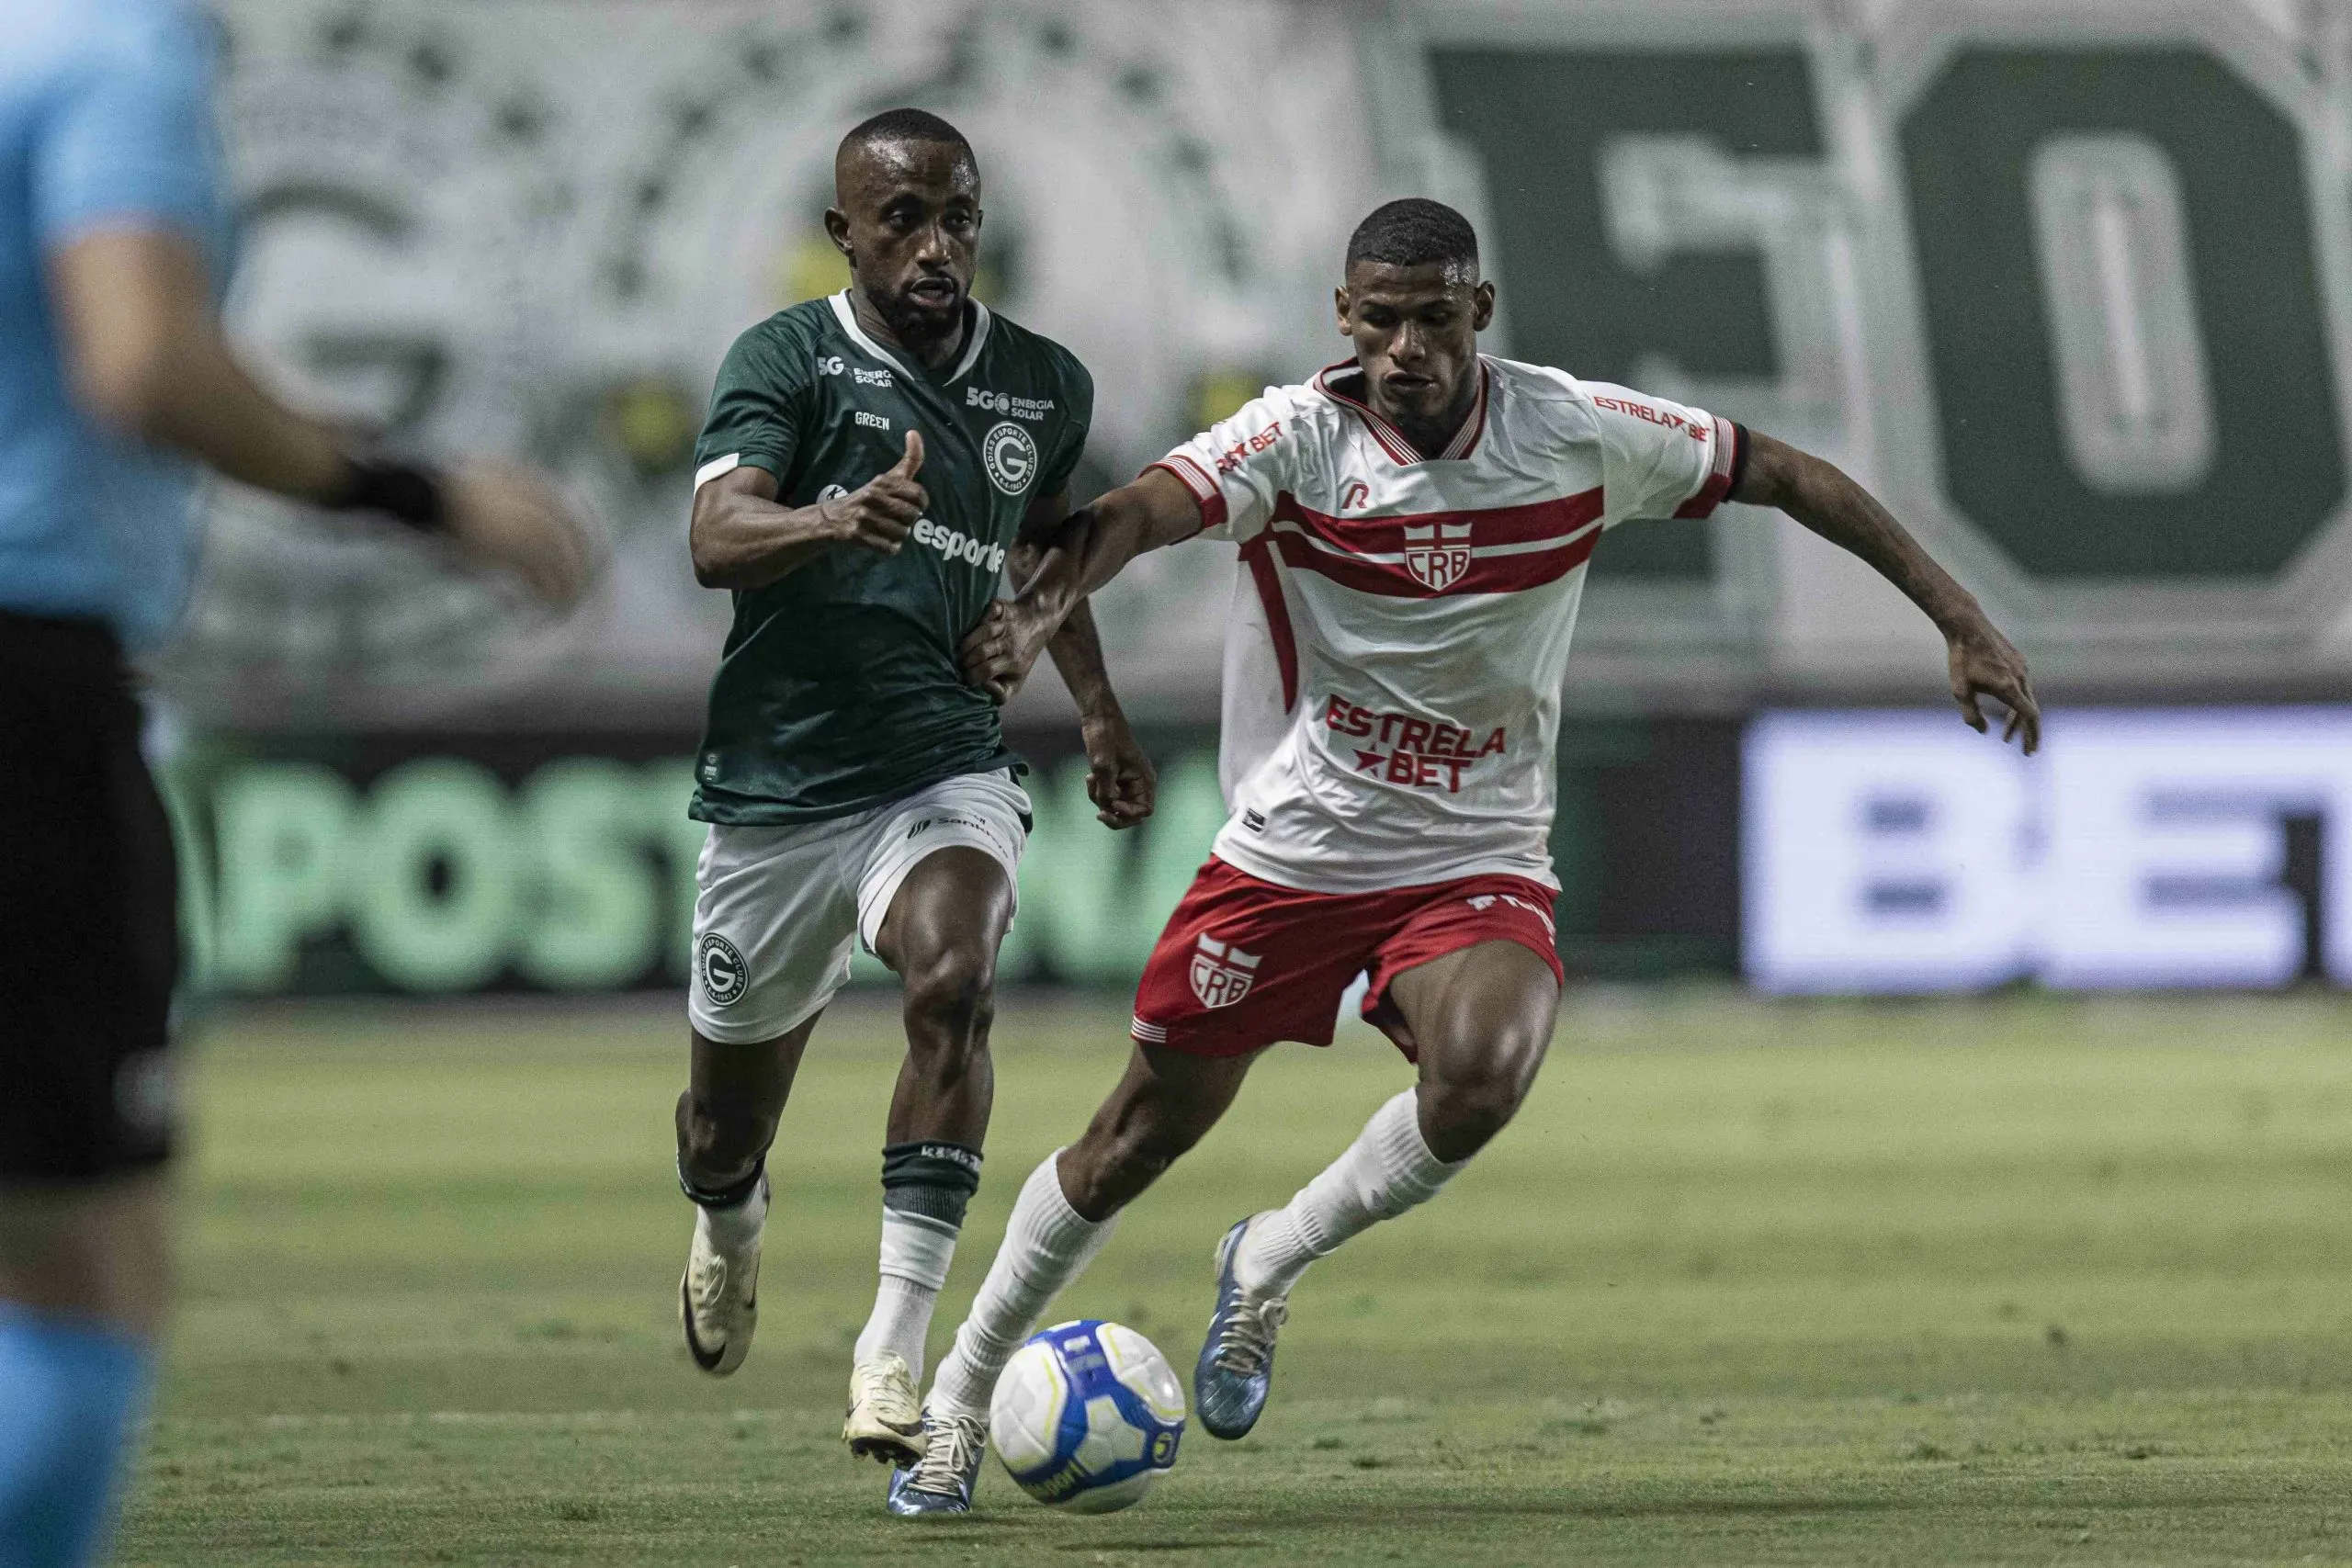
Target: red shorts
{"x": 1244, "y": 963}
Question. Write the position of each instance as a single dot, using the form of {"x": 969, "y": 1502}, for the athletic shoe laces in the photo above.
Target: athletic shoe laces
{"x": 711, "y": 1281}
{"x": 1249, "y": 1338}
{"x": 952, "y": 1454}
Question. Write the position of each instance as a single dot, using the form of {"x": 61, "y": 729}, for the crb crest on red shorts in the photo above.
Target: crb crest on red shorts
{"x": 1221, "y": 973}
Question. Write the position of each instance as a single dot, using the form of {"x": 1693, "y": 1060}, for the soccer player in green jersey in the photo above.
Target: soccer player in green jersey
{"x": 870, "y": 465}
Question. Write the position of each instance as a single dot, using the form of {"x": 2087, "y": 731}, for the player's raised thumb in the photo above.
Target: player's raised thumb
{"x": 912, "y": 464}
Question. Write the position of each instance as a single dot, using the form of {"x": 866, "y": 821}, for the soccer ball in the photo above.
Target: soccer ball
{"x": 1087, "y": 1416}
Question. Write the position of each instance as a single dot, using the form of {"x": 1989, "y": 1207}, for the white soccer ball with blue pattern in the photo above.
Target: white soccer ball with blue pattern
{"x": 1087, "y": 1416}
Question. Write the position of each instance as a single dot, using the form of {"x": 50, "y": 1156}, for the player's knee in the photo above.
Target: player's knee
{"x": 1113, "y": 1164}
{"x": 951, "y": 998}
{"x": 1096, "y": 1182}
{"x": 718, "y": 1142}
{"x": 1463, "y": 1111}
{"x": 1146, "y": 1154}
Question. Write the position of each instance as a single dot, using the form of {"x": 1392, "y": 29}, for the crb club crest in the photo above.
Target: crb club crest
{"x": 1221, "y": 975}
{"x": 1438, "y": 555}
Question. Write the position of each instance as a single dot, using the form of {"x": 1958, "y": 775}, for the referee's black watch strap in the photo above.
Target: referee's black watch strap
{"x": 406, "y": 493}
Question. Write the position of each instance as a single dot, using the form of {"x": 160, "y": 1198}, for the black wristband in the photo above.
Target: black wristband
{"x": 1739, "y": 441}
{"x": 406, "y": 493}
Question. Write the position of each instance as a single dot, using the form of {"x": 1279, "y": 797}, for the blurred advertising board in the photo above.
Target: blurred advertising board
{"x": 2142, "y": 847}
{"x": 449, "y": 864}
{"x": 2069, "y": 282}
{"x": 1813, "y": 851}
{"x": 379, "y": 864}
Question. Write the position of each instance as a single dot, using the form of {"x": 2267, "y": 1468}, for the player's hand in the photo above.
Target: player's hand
{"x": 1119, "y": 779}
{"x": 1986, "y": 664}
{"x": 511, "y": 518}
{"x": 1004, "y": 649}
{"x": 878, "y": 515}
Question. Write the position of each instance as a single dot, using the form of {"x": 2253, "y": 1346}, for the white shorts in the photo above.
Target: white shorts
{"x": 778, "y": 910}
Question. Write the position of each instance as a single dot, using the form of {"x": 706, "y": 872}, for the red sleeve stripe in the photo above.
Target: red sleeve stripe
{"x": 1205, "y": 494}
{"x": 1718, "y": 484}
{"x": 1196, "y": 479}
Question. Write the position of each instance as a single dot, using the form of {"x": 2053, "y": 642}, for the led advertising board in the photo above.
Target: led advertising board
{"x": 1898, "y": 851}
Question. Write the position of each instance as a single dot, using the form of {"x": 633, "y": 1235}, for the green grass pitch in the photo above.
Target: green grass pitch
{"x": 2021, "y": 1281}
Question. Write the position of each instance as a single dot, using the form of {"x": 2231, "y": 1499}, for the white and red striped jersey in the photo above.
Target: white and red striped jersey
{"x": 1400, "y": 624}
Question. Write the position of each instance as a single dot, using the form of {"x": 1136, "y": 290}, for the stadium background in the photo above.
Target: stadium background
{"x": 2066, "y": 283}
{"x": 2020, "y": 1275}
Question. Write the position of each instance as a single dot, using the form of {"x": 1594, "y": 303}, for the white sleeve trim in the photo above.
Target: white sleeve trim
{"x": 716, "y": 467}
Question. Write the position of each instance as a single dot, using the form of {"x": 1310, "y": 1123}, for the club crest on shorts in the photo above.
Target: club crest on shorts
{"x": 721, "y": 969}
{"x": 1438, "y": 555}
{"x": 1010, "y": 455}
{"x": 1221, "y": 975}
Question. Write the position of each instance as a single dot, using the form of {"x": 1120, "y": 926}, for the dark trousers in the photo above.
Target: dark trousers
{"x": 89, "y": 939}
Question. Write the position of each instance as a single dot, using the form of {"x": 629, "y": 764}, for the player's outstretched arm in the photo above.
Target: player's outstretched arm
{"x": 1086, "y": 551}
{"x": 741, "y": 539}
{"x": 146, "y": 357}
{"x": 1120, "y": 778}
{"x": 1820, "y": 495}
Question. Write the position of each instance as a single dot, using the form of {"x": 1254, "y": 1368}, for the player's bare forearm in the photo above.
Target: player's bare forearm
{"x": 741, "y": 539}
{"x": 1153, "y": 510}
{"x": 1983, "y": 662}
{"x": 1820, "y": 495}
{"x": 1073, "y": 559}
{"x": 1120, "y": 778}
{"x": 1077, "y": 650}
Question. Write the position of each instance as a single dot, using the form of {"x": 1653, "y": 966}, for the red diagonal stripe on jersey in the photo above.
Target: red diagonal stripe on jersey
{"x": 1269, "y": 595}
{"x": 1531, "y": 523}
{"x": 1488, "y": 574}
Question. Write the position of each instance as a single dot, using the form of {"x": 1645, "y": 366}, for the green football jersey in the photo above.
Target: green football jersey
{"x": 840, "y": 688}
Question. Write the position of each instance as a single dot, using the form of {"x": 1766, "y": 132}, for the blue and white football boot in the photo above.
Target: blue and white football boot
{"x": 1236, "y": 1366}
{"x": 940, "y": 1482}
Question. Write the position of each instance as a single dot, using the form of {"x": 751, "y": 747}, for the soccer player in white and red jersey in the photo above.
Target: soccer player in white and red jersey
{"x": 1415, "y": 523}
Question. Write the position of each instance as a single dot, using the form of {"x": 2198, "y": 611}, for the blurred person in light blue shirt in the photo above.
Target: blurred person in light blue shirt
{"x": 115, "y": 386}
{"x": 105, "y": 121}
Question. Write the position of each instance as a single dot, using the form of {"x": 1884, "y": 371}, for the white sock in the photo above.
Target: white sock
{"x": 1385, "y": 1171}
{"x": 1047, "y": 1245}
{"x": 731, "y": 1229}
{"x": 916, "y": 1252}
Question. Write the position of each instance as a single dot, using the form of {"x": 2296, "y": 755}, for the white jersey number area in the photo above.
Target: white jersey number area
{"x": 1400, "y": 626}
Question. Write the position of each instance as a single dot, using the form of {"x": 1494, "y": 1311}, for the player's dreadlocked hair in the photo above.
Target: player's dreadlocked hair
{"x": 1414, "y": 231}
{"x": 906, "y": 125}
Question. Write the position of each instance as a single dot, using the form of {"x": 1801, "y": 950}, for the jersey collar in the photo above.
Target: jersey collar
{"x": 974, "y": 341}
{"x": 1391, "y": 441}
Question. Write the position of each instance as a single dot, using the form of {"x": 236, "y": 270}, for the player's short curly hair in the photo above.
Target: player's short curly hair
{"x": 1414, "y": 231}
{"x": 906, "y": 125}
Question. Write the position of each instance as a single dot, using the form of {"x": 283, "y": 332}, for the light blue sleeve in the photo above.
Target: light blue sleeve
{"x": 131, "y": 135}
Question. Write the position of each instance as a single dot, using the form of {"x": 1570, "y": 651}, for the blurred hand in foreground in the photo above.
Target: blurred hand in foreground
{"x": 510, "y": 518}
